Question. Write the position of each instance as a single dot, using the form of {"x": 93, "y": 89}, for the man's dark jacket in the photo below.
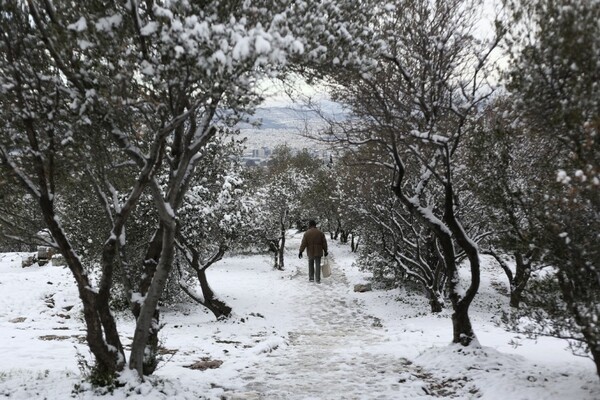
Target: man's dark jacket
{"x": 314, "y": 242}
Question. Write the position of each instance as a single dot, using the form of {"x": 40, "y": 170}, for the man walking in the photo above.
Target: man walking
{"x": 315, "y": 243}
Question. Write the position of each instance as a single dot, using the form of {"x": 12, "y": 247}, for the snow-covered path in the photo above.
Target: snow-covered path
{"x": 337, "y": 351}
{"x": 287, "y": 339}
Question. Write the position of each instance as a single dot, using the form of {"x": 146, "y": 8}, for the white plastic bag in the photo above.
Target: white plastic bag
{"x": 326, "y": 268}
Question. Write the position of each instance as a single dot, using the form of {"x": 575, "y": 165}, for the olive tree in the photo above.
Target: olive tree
{"x": 553, "y": 77}
{"x": 416, "y": 105}
{"x": 397, "y": 248}
{"x": 506, "y": 169}
{"x": 214, "y": 215}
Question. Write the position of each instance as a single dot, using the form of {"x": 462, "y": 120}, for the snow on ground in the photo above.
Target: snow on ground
{"x": 288, "y": 339}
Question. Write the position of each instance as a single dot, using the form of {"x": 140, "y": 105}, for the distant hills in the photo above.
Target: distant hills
{"x": 286, "y": 125}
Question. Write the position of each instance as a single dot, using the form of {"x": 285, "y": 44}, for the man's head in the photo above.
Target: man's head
{"x": 312, "y": 223}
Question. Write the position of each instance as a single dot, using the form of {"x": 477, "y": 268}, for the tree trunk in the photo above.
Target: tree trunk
{"x": 515, "y": 298}
{"x": 519, "y": 280}
{"x": 596, "y": 358}
{"x": 435, "y": 301}
{"x": 445, "y": 232}
{"x": 461, "y": 323}
{"x": 280, "y": 253}
{"x": 463, "y": 330}
{"x": 353, "y": 244}
{"x": 276, "y": 259}
{"x": 216, "y": 306}
{"x": 344, "y": 236}
{"x": 572, "y": 287}
{"x": 522, "y": 275}
{"x": 338, "y": 228}
{"x": 145, "y": 339}
{"x": 102, "y": 336}
{"x": 208, "y": 299}
{"x": 274, "y": 248}
{"x": 151, "y": 261}
{"x": 281, "y": 248}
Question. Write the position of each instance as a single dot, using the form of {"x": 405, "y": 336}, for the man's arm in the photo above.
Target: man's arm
{"x": 303, "y": 244}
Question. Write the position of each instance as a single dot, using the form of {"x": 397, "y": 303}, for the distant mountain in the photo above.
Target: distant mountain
{"x": 294, "y": 116}
{"x": 273, "y": 126}
{"x": 282, "y": 118}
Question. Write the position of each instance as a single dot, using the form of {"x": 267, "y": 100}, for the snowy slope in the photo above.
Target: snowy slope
{"x": 289, "y": 339}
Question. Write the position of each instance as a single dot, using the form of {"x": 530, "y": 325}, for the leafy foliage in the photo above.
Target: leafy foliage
{"x": 553, "y": 78}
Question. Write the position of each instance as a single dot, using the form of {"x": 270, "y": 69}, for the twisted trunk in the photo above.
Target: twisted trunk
{"x": 463, "y": 330}
{"x": 208, "y": 299}
{"x": 218, "y": 307}
{"x": 102, "y": 336}
{"x": 445, "y": 231}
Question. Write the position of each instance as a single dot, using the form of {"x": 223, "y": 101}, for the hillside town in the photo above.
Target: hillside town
{"x": 259, "y": 157}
